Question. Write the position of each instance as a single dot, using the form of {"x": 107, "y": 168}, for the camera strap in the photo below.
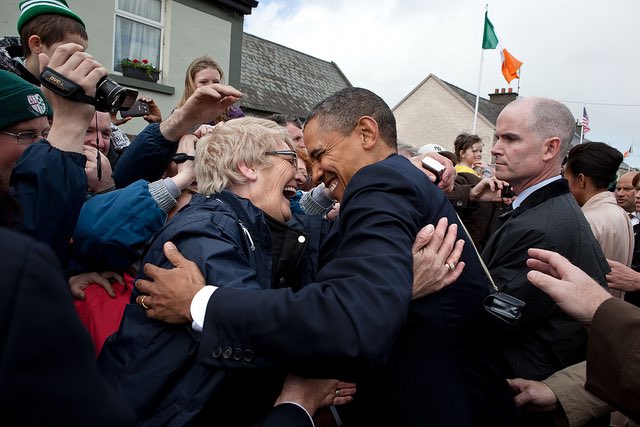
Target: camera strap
{"x": 501, "y": 305}
{"x": 64, "y": 87}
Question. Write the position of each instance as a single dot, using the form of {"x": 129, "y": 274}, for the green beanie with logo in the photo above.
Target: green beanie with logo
{"x": 29, "y": 9}
{"x": 20, "y": 100}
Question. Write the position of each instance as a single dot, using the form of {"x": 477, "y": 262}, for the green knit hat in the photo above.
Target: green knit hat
{"x": 29, "y": 9}
{"x": 20, "y": 100}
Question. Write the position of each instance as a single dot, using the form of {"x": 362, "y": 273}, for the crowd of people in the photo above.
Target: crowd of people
{"x": 277, "y": 272}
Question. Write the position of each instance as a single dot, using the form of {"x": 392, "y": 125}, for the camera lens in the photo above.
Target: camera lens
{"x": 109, "y": 95}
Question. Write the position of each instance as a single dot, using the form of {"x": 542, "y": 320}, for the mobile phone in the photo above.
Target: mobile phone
{"x": 507, "y": 192}
{"x": 433, "y": 166}
{"x": 138, "y": 109}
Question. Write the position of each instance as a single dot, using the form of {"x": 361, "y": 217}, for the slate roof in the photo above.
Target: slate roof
{"x": 487, "y": 109}
{"x": 490, "y": 110}
{"x": 277, "y": 79}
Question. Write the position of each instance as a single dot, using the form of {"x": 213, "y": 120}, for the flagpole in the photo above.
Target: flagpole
{"x": 582, "y": 126}
{"x": 519, "y": 77}
{"x": 475, "y": 112}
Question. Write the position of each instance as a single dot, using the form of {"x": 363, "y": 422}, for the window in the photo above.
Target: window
{"x": 138, "y": 32}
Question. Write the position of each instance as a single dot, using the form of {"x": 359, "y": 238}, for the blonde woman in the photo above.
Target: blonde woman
{"x": 235, "y": 231}
{"x": 205, "y": 71}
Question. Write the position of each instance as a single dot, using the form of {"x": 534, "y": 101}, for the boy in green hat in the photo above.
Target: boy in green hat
{"x": 43, "y": 25}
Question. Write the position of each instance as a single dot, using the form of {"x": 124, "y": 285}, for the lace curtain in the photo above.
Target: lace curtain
{"x": 138, "y": 39}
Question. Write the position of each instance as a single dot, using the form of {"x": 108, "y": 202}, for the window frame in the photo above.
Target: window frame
{"x": 142, "y": 20}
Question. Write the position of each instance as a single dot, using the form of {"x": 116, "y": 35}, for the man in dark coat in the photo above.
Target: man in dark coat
{"x": 47, "y": 365}
{"x": 533, "y": 138}
{"x": 421, "y": 362}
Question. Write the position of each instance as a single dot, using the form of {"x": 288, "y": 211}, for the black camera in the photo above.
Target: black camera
{"x": 507, "y": 192}
{"x": 110, "y": 96}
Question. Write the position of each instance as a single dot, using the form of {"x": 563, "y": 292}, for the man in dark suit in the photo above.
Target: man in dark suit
{"x": 421, "y": 362}
{"x": 533, "y": 137}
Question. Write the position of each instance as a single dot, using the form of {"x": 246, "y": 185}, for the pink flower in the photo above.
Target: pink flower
{"x": 135, "y": 61}
{"x": 144, "y": 61}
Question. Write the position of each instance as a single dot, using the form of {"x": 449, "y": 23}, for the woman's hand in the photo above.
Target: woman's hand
{"x": 435, "y": 258}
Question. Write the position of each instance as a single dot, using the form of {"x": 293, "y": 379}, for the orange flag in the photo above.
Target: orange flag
{"x": 510, "y": 66}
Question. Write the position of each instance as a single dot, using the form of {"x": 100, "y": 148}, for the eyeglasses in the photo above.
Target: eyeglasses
{"x": 27, "y": 136}
{"x": 293, "y": 157}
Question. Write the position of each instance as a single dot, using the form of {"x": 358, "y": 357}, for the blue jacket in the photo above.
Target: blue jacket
{"x": 154, "y": 365}
{"x": 146, "y": 158}
{"x": 50, "y": 186}
{"x": 114, "y": 227}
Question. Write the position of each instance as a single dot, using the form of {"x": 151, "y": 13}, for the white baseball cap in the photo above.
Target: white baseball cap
{"x": 428, "y": 148}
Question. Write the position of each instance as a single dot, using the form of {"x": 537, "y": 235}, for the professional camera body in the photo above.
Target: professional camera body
{"x": 110, "y": 96}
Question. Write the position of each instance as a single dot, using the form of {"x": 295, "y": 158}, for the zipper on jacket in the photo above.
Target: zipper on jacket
{"x": 246, "y": 233}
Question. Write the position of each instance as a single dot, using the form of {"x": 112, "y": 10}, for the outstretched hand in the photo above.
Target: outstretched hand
{"x": 202, "y": 106}
{"x": 155, "y": 115}
{"x": 448, "y": 177}
{"x": 622, "y": 277}
{"x": 435, "y": 258}
{"x": 534, "y": 396}
{"x": 169, "y": 292}
{"x": 572, "y": 289}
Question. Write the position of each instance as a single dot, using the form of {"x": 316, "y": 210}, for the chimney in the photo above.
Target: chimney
{"x": 503, "y": 96}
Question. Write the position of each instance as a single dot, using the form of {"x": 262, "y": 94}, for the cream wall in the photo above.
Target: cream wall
{"x": 194, "y": 33}
{"x": 188, "y": 33}
{"x": 433, "y": 115}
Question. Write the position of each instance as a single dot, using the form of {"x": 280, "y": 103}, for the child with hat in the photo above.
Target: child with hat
{"x": 42, "y": 25}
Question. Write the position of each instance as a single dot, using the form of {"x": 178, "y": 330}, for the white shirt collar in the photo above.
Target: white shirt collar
{"x": 526, "y": 193}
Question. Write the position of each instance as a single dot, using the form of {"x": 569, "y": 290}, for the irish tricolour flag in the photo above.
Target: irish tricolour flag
{"x": 510, "y": 65}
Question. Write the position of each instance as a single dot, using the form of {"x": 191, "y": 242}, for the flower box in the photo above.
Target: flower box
{"x": 140, "y": 74}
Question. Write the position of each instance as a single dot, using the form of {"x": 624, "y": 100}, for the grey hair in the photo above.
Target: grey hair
{"x": 550, "y": 118}
{"x": 243, "y": 140}
{"x": 341, "y": 111}
{"x": 406, "y": 148}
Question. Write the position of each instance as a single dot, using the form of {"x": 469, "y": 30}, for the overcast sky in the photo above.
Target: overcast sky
{"x": 584, "y": 53}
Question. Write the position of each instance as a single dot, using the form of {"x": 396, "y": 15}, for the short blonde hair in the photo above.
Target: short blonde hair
{"x": 244, "y": 140}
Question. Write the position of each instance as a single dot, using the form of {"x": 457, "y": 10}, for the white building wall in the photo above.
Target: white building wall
{"x": 433, "y": 115}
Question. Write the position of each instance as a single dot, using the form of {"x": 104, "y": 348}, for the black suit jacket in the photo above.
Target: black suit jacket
{"x": 47, "y": 368}
{"x": 417, "y": 362}
{"x": 634, "y": 297}
{"x": 545, "y": 340}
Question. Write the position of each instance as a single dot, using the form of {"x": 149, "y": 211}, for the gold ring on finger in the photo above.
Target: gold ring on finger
{"x": 142, "y": 302}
